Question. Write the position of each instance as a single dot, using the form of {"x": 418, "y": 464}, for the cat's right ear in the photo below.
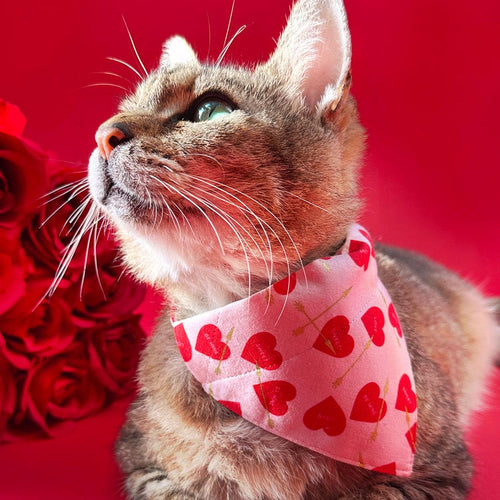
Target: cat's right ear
{"x": 313, "y": 55}
{"x": 177, "y": 52}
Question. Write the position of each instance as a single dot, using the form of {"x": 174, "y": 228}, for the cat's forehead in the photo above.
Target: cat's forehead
{"x": 172, "y": 91}
{"x": 160, "y": 89}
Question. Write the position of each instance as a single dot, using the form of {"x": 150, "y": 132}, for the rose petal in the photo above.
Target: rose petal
{"x": 114, "y": 350}
{"x": 61, "y": 388}
{"x": 23, "y": 178}
{"x": 12, "y": 120}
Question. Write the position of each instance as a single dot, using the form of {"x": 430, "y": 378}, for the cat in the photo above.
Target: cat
{"x": 221, "y": 180}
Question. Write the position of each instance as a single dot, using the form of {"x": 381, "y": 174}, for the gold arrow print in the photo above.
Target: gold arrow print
{"x": 224, "y": 349}
{"x": 311, "y": 321}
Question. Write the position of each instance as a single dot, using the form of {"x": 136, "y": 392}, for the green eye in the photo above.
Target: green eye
{"x": 212, "y": 109}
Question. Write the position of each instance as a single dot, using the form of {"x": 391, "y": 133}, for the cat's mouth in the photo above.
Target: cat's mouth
{"x": 122, "y": 201}
{"x": 103, "y": 186}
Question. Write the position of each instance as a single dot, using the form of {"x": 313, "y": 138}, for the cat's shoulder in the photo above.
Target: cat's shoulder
{"x": 397, "y": 265}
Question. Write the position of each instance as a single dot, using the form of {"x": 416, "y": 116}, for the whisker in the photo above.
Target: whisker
{"x": 66, "y": 188}
{"x": 75, "y": 193}
{"x": 229, "y": 23}
{"x": 70, "y": 252}
{"x": 103, "y": 84}
{"x": 155, "y": 206}
{"x": 171, "y": 214}
{"x": 97, "y": 233}
{"x": 76, "y": 214}
{"x": 185, "y": 217}
{"x": 135, "y": 50}
{"x": 259, "y": 220}
{"x": 215, "y": 160}
{"x": 209, "y": 35}
{"x": 129, "y": 66}
{"x": 152, "y": 205}
{"x": 308, "y": 202}
{"x": 121, "y": 275}
{"x": 79, "y": 163}
{"x": 84, "y": 272}
{"x": 110, "y": 73}
{"x": 226, "y": 48}
{"x": 74, "y": 217}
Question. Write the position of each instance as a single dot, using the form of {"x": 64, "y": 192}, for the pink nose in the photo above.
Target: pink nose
{"x": 107, "y": 139}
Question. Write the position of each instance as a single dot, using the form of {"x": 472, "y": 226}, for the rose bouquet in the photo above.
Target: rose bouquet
{"x": 65, "y": 351}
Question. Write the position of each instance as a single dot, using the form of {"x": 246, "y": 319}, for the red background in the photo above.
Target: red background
{"x": 426, "y": 77}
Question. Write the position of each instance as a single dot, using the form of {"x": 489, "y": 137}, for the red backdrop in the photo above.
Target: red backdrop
{"x": 426, "y": 78}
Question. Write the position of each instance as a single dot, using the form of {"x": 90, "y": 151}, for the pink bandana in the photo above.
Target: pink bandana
{"x": 324, "y": 365}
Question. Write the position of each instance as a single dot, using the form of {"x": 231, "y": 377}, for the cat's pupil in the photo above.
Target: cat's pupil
{"x": 212, "y": 109}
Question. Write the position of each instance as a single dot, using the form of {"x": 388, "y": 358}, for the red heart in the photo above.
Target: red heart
{"x": 273, "y": 395}
{"x": 393, "y": 318}
{"x": 260, "y": 350}
{"x": 209, "y": 343}
{"x": 183, "y": 342}
{"x": 359, "y": 252}
{"x": 286, "y": 285}
{"x": 326, "y": 415}
{"x": 234, "y": 406}
{"x": 368, "y": 406}
{"x": 387, "y": 468}
{"x": 411, "y": 436}
{"x": 407, "y": 399}
{"x": 335, "y": 339}
{"x": 374, "y": 321}
{"x": 369, "y": 238}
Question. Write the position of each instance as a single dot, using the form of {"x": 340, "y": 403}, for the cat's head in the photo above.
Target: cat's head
{"x": 213, "y": 172}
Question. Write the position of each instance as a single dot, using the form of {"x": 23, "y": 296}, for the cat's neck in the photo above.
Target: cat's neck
{"x": 195, "y": 281}
{"x": 192, "y": 279}
{"x": 203, "y": 289}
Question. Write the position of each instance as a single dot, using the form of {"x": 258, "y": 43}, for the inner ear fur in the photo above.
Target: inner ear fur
{"x": 177, "y": 52}
{"x": 313, "y": 54}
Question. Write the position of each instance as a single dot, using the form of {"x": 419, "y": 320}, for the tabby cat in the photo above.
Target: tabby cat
{"x": 222, "y": 180}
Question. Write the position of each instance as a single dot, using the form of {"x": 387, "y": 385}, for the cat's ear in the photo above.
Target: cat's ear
{"x": 313, "y": 55}
{"x": 177, "y": 52}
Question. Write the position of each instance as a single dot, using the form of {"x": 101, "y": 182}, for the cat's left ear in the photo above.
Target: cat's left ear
{"x": 177, "y": 52}
{"x": 313, "y": 55}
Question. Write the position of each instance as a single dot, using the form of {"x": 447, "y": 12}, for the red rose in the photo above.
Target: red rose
{"x": 114, "y": 350}
{"x": 13, "y": 269}
{"x": 62, "y": 388}
{"x": 23, "y": 178}
{"x": 38, "y": 327}
{"x": 8, "y": 393}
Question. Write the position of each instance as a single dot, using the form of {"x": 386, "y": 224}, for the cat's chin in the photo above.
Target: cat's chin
{"x": 124, "y": 206}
